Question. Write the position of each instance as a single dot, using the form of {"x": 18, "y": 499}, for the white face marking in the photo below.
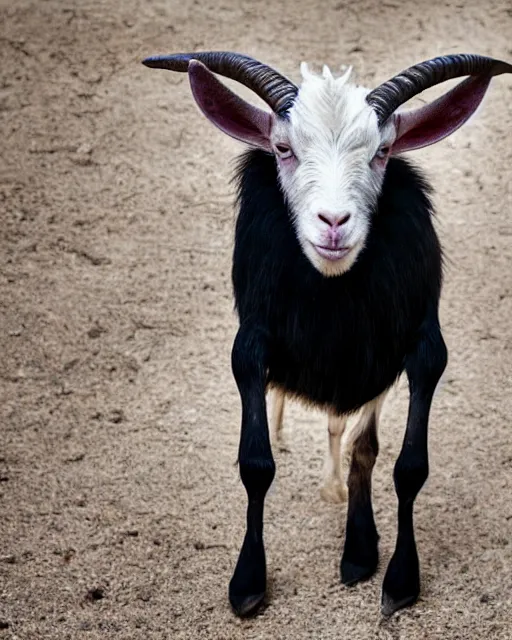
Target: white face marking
{"x": 328, "y": 168}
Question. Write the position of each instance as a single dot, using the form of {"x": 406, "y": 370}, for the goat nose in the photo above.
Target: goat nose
{"x": 334, "y": 220}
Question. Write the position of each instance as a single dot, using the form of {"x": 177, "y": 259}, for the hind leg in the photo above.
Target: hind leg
{"x": 334, "y": 488}
{"x": 360, "y": 553}
{"x": 276, "y": 420}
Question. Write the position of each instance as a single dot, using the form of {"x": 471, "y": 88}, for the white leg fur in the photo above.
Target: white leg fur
{"x": 341, "y": 442}
{"x": 334, "y": 487}
{"x": 352, "y": 434}
{"x": 276, "y": 421}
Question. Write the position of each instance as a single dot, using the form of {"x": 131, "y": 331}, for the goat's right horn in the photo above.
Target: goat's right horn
{"x": 275, "y": 89}
{"x": 386, "y": 98}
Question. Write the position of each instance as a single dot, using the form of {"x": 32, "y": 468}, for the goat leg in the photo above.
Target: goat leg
{"x": 424, "y": 367}
{"x": 257, "y": 468}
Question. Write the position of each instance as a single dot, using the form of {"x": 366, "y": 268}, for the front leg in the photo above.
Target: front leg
{"x": 257, "y": 468}
{"x": 424, "y": 367}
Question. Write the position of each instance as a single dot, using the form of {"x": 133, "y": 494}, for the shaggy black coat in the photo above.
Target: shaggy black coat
{"x": 337, "y": 342}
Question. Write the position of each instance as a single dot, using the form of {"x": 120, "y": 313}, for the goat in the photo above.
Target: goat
{"x": 337, "y": 274}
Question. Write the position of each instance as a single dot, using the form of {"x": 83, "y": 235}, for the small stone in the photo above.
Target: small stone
{"x": 76, "y": 458}
{"x": 145, "y": 595}
{"x": 70, "y": 364}
{"x": 84, "y": 149}
{"x": 92, "y": 77}
{"x": 68, "y": 555}
{"x": 4, "y": 624}
{"x": 117, "y": 416}
{"x": 96, "y": 331}
{"x": 199, "y": 546}
{"x": 85, "y": 626}
{"x": 95, "y": 594}
{"x": 82, "y": 161}
{"x": 8, "y": 559}
{"x": 66, "y": 390}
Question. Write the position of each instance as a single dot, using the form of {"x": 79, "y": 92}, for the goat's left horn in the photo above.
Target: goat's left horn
{"x": 386, "y": 98}
{"x": 272, "y": 87}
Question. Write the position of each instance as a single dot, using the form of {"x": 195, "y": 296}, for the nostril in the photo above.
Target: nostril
{"x": 325, "y": 219}
{"x": 334, "y": 219}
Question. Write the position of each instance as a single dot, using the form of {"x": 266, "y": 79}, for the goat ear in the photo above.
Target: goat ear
{"x": 226, "y": 110}
{"x": 435, "y": 121}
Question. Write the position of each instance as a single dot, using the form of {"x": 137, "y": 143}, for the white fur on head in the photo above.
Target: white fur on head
{"x": 331, "y": 179}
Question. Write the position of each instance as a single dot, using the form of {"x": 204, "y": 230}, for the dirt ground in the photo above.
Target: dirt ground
{"x": 121, "y": 511}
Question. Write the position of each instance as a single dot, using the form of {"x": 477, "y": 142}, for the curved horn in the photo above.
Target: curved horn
{"x": 386, "y": 98}
{"x": 276, "y": 90}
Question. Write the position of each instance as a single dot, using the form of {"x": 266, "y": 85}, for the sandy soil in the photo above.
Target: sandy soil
{"x": 121, "y": 508}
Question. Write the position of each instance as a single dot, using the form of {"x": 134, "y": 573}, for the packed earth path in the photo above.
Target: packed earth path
{"x": 122, "y": 512}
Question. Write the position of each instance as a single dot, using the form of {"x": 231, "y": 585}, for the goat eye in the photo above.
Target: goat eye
{"x": 284, "y": 151}
{"x": 383, "y": 152}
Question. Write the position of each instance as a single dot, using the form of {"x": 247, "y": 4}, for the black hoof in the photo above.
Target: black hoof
{"x": 353, "y": 573}
{"x": 246, "y": 606}
{"x": 390, "y": 605}
{"x": 360, "y": 553}
{"x": 401, "y": 586}
{"x": 248, "y": 584}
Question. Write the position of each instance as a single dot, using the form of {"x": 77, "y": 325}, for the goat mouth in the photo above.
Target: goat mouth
{"x": 331, "y": 254}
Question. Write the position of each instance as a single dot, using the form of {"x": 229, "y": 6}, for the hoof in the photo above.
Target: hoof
{"x": 361, "y": 550}
{"x": 248, "y": 584}
{"x": 334, "y": 491}
{"x": 389, "y": 605}
{"x": 351, "y": 573}
{"x": 246, "y": 606}
{"x": 401, "y": 586}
